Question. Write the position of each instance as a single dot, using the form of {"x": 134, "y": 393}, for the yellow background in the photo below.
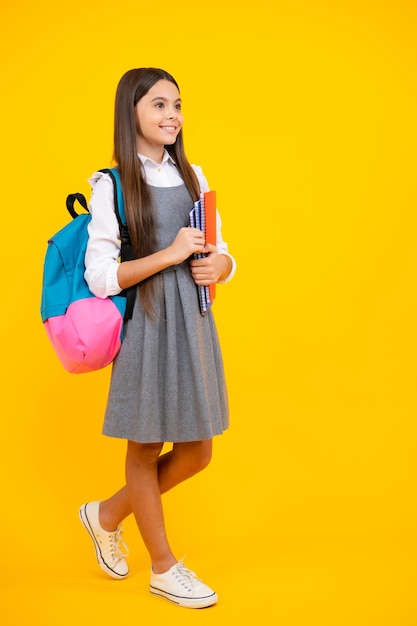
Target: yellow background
{"x": 303, "y": 116}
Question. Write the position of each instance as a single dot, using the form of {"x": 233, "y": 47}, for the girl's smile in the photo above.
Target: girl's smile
{"x": 158, "y": 119}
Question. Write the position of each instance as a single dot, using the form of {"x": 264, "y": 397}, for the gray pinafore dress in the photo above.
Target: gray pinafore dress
{"x": 167, "y": 382}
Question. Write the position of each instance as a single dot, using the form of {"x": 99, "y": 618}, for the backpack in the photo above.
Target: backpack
{"x": 85, "y": 331}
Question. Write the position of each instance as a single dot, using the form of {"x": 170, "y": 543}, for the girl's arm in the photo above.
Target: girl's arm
{"x": 188, "y": 241}
{"x": 103, "y": 247}
{"x": 104, "y": 274}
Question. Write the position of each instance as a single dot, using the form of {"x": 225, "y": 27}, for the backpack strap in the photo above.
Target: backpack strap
{"x": 71, "y": 198}
{"x": 126, "y": 250}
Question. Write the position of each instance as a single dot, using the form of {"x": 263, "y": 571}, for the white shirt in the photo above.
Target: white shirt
{"x": 103, "y": 248}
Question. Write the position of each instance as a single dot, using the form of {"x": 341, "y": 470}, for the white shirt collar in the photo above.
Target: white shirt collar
{"x": 151, "y": 163}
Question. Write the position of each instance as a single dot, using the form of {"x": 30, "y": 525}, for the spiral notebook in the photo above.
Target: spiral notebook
{"x": 203, "y": 216}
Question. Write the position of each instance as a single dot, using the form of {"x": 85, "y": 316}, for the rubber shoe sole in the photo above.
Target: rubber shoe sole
{"x": 189, "y": 603}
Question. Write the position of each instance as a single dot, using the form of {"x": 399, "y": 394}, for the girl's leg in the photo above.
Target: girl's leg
{"x": 148, "y": 475}
{"x": 143, "y": 491}
{"x": 179, "y": 464}
{"x": 182, "y": 462}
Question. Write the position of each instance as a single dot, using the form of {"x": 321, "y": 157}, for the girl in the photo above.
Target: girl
{"x": 167, "y": 382}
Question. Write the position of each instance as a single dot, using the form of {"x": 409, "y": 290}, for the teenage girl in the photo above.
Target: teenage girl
{"x": 167, "y": 382}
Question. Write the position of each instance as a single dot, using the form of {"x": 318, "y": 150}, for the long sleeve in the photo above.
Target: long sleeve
{"x": 103, "y": 248}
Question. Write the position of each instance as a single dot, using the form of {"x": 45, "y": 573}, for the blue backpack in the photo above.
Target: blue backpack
{"x": 85, "y": 331}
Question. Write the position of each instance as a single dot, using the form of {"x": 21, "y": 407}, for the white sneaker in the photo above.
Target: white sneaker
{"x": 110, "y": 549}
{"x": 182, "y": 587}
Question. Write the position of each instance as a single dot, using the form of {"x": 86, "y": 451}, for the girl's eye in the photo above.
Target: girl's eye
{"x": 159, "y": 105}
{"x": 178, "y": 107}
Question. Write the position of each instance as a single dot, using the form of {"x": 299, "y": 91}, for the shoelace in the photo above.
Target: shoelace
{"x": 118, "y": 549}
{"x": 185, "y": 576}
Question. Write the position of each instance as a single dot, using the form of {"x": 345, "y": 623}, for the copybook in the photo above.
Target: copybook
{"x": 203, "y": 216}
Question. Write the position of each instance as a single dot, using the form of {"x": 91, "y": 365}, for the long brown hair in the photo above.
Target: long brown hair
{"x": 133, "y": 85}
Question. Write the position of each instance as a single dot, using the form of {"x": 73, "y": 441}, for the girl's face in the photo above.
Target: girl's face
{"x": 158, "y": 119}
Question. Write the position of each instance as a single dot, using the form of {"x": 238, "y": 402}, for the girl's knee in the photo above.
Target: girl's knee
{"x": 205, "y": 454}
{"x": 196, "y": 455}
{"x": 147, "y": 453}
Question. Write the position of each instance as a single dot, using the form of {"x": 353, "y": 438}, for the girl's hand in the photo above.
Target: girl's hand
{"x": 211, "y": 268}
{"x": 188, "y": 241}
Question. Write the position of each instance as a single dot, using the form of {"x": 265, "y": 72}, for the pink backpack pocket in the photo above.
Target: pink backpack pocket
{"x": 88, "y": 336}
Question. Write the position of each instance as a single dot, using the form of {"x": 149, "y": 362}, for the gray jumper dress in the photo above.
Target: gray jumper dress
{"x": 167, "y": 382}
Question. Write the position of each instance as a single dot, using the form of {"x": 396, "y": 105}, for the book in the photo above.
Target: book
{"x": 203, "y": 216}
